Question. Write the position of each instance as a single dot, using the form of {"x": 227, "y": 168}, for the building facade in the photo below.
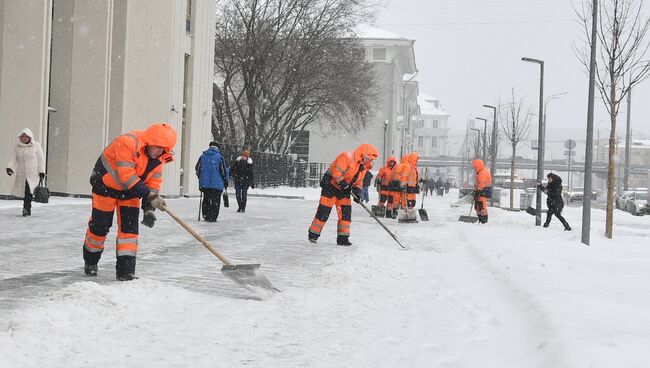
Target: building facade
{"x": 392, "y": 57}
{"x": 79, "y": 73}
{"x": 431, "y": 133}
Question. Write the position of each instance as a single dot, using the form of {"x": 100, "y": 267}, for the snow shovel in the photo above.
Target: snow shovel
{"x": 378, "y": 221}
{"x": 469, "y": 218}
{"x": 407, "y": 215}
{"x": 461, "y": 200}
{"x": 379, "y": 211}
{"x": 246, "y": 275}
{"x": 424, "y": 216}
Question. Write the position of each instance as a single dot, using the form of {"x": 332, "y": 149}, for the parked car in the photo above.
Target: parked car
{"x": 576, "y": 194}
{"x": 619, "y": 202}
{"x": 637, "y": 203}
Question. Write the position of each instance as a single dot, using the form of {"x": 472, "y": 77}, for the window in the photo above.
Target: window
{"x": 434, "y": 142}
{"x": 435, "y": 124}
{"x": 420, "y": 141}
{"x": 378, "y": 54}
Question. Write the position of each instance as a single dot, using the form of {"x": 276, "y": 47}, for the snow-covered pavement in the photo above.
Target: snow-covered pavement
{"x": 503, "y": 295}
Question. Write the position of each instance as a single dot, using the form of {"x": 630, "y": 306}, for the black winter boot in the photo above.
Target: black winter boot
{"x": 343, "y": 240}
{"x": 90, "y": 270}
{"x": 546, "y": 224}
{"x": 312, "y": 237}
{"x": 125, "y": 268}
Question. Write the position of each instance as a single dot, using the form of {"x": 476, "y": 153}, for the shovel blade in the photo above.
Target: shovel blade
{"x": 407, "y": 216}
{"x": 424, "y": 216}
{"x": 379, "y": 211}
{"x": 470, "y": 219}
{"x": 249, "y": 276}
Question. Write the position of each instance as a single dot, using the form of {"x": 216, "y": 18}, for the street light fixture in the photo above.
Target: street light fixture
{"x": 540, "y": 138}
{"x": 493, "y": 154}
{"x": 484, "y": 137}
{"x": 478, "y": 137}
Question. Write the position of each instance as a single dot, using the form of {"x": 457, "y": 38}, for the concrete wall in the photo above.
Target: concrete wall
{"x": 117, "y": 66}
{"x": 200, "y": 94}
{"x": 24, "y": 77}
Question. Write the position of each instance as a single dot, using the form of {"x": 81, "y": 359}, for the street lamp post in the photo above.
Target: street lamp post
{"x": 484, "y": 137}
{"x": 493, "y": 153}
{"x": 540, "y": 138}
{"x": 478, "y": 145}
{"x": 384, "y": 148}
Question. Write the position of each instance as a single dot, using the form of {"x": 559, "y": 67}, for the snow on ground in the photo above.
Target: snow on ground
{"x": 464, "y": 295}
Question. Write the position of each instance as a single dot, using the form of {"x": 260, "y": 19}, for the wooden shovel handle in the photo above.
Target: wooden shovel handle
{"x": 197, "y": 236}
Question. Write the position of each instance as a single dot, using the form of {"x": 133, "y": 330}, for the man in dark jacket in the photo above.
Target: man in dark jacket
{"x": 242, "y": 174}
{"x": 554, "y": 200}
{"x": 212, "y": 171}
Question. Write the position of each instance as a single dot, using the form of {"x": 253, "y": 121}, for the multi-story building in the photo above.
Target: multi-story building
{"x": 392, "y": 57}
{"x": 79, "y": 73}
{"x": 432, "y": 128}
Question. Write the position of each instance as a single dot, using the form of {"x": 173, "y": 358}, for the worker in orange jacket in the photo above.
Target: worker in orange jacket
{"x": 129, "y": 168}
{"x": 383, "y": 180}
{"x": 482, "y": 190}
{"x": 412, "y": 188}
{"x": 344, "y": 176}
{"x": 398, "y": 180}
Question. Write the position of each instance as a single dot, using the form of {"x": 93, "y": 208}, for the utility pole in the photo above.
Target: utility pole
{"x": 628, "y": 141}
{"x": 586, "y": 199}
{"x": 540, "y": 138}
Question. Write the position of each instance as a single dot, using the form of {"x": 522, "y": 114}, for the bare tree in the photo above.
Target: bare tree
{"x": 623, "y": 47}
{"x": 287, "y": 64}
{"x": 515, "y": 125}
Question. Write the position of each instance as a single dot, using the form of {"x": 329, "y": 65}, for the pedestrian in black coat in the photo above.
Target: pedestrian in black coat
{"x": 554, "y": 200}
{"x": 242, "y": 174}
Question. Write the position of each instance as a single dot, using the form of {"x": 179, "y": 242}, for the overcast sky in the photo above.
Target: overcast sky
{"x": 468, "y": 53}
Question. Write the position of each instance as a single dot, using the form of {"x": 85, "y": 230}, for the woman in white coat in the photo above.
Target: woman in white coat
{"x": 28, "y": 163}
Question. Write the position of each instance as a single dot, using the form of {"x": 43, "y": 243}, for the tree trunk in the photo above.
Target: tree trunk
{"x": 609, "y": 217}
{"x": 512, "y": 177}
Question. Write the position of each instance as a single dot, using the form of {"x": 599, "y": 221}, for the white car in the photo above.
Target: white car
{"x": 637, "y": 203}
{"x": 576, "y": 194}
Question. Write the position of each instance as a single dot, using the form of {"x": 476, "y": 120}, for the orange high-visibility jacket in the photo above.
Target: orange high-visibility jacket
{"x": 483, "y": 175}
{"x": 347, "y": 165}
{"x": 124, "y": 165}
{"x": 385, "y": 172}
{"x": 412, "y": 176}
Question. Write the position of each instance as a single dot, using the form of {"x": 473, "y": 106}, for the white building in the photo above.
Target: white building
{"x": 106, "y": 67}
{"x": 392, "y": 57}
{"x": 431, "y": 132}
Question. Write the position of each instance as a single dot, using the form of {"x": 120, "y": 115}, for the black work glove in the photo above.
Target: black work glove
{"x": 356, "y": 194}
{"x": 10, "y": 172}
{"x": 41, "y": 175}
{"x": 343, "y": 185}
{"x": 149, "y": 218}
{"x": 252, "y": 186}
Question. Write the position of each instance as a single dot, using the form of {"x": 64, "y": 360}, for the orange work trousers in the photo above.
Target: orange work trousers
{"x": 101, "y": 220}
{"x": 329, "y": 198}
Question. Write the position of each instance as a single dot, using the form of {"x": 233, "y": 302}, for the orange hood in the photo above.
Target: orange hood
{"x": 478, "y": 165}
{"x": 392, "y": 159}
{"x": 365, "y": 149}
{"x": 413, "y": 158}
{"x": 161, "y": 135}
